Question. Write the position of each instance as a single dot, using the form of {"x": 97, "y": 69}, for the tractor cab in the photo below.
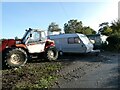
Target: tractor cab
{"x": 34, "y": 40}
{"x": 34, "y": 35}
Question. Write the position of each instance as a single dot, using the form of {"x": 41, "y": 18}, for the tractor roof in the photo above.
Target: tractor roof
{"x": 37, "y": 30}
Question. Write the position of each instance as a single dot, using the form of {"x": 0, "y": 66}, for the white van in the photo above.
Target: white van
{"x": 73, "y": 43}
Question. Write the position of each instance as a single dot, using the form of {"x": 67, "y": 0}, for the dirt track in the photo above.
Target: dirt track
{"x": 79, "y": 71}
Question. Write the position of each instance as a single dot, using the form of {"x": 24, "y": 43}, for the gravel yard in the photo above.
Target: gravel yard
{"x": 91, "y": 72}
{"x": 70, "y": 71}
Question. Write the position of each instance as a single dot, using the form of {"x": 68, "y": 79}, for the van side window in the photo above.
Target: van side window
{"x": 73, "y": 40}
{"x": 77, "y": 40}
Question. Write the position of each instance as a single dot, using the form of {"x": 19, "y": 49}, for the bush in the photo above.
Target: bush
{"x": 104, "y": 46}
{"x": 114, "y": 42}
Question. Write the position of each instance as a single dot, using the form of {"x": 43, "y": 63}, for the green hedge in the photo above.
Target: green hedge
{"x": 114, "y": 42}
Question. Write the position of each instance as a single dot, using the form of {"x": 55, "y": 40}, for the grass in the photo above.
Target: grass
{"x": 32, "y": 75}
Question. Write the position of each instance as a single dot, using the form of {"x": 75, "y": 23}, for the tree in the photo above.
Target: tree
{"x": 104, "y": 24}
{"x": 115, "y": 26}
{"x": 16, "y": 38}
{"x": 114, "y": 35}
{"x": 110, "y": 30}
{"x": 105, "y": 29}
{"x": 3, "y": 39}
{"x": 73, "y": 26}
{"x": 88, "y": 30}
{"x": 53, "y": 27}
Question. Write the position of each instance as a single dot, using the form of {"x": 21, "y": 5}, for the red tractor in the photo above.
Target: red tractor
{"x": 15, "y": 53}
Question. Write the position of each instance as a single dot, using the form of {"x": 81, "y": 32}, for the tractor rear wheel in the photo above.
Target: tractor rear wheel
{"x": 51, "y": 54}
{"x": 15, "y": 57}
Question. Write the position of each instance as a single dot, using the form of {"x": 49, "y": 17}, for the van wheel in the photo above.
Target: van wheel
{"x": 15, "y": 57}
{"x": 51, "y": 54}
{"x": 60, "y": 53}
{"x": 97, "y": 54}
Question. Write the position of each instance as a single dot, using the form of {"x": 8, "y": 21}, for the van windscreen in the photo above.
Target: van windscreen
{"x": 84, "y": 39}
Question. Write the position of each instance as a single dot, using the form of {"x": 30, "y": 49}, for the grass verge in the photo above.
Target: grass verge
{"x": 32, "y": 75}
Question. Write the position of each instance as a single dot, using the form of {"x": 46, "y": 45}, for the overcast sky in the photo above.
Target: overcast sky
{"x": 18, "y": 16}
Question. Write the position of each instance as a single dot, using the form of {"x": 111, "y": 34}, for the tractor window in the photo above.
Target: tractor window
{"x": 35, "y": 37}
{"x": 43, "y": 36}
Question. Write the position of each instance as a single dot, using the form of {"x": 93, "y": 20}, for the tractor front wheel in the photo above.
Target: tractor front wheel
{"x": 15, "y": 57}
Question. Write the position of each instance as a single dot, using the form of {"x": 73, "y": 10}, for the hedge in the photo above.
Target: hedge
{"x": 114, "y": 42}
